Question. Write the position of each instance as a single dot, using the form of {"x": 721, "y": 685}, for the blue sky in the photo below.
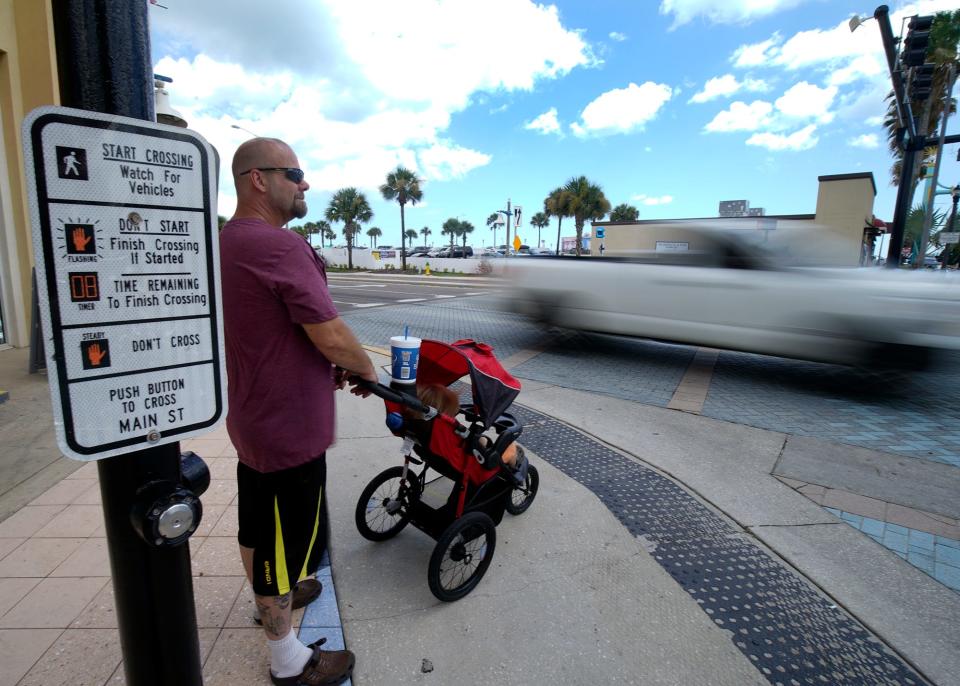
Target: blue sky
{"x": 670, "y": 106}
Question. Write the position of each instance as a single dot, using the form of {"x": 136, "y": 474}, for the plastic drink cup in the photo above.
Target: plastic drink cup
{"x": 404, "y": 356}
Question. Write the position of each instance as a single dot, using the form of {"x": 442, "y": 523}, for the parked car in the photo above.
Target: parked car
{"x": 457, "y": 251}
{"x": 728, "y": 294}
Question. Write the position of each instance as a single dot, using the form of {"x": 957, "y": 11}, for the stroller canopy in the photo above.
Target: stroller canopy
{"x": 493, "y": 387}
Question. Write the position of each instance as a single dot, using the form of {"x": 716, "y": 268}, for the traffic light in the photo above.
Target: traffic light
{"x": 917, "y": 41}
{"x": 921, "y": 83}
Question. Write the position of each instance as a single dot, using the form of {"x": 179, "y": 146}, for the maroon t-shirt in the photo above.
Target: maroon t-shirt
{"x": 280, "y": 387}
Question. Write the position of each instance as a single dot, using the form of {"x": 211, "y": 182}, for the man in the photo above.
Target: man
{"x": 283, "y": 336}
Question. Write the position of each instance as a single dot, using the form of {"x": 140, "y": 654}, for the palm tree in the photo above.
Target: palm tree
{"x": 326, "y": 232}
{"x": 310, "y": 228}
{"x": 942, "y": 52}
{"x": 374, "y": 233}
{"x": 350, "y": 206}
{"x": 587, "y": 201}
{"x": 451, "y": 227}
{"x": 539, "y": 221}
{"x": 624, "y": 213}
{"x": 462, "y": 231}
{"x": 403, "y": 186}
{"x": 425, "y": 231}
{"x": 493, "y": 221}
{"x": 557, "y": 204}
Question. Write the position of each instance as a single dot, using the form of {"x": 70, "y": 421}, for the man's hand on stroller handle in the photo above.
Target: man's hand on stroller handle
{"x": 359, "y": 382}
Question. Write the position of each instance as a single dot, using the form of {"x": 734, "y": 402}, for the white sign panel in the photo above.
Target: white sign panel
{"x": 950, "y": 237}
{"x": 125, "y": 238}
{"x": 672, "y": 246}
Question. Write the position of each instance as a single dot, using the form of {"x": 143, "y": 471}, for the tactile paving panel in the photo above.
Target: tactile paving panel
{"x": 793, "y": 634}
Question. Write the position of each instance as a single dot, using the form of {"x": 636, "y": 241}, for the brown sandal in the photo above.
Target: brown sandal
{"x": 324, "y": 668}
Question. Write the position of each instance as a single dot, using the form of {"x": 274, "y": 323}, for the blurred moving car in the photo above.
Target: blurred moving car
{"x": 729, "y": 294}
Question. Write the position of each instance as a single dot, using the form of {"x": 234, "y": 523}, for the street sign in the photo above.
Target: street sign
{"x": 516, "y": 242}
{"x": 950, "y": 237}
{"x": 125, "y": 238}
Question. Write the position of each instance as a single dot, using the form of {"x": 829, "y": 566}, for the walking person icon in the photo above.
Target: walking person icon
{"x": 72, "y": 163}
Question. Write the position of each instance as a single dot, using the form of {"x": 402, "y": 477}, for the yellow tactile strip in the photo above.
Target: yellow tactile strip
{"x": 691, "y": 393}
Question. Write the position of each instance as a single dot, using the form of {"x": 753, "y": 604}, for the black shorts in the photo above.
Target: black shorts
{"x": 283, "y": 517}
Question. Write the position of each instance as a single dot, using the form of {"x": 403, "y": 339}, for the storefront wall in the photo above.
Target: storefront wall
{"x": 28, "y": 79}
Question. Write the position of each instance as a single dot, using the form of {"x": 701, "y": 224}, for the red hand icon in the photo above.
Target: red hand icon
{"x": 95, "y": 354}
{"x": 80, "y": 240}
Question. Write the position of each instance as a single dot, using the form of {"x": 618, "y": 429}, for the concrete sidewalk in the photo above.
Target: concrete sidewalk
{"x": 660, "y": 550}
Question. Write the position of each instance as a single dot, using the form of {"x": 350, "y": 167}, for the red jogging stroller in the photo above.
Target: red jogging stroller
{"x": 461, "y": 517}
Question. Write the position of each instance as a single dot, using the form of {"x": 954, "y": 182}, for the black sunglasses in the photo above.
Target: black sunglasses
{"x": 292, "y": 173}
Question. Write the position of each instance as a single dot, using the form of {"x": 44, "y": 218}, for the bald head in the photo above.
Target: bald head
{"x": 259, "y": 152}
{"x": 264, "y": 188}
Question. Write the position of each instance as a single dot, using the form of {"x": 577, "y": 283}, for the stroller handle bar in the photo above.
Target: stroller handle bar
{"x": 387, "y": 393}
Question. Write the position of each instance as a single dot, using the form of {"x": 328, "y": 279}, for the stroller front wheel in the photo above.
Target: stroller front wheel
{"x": 383, "y": 508}
{"x": 462, "y": 556}
{"x": 521, "y": 497}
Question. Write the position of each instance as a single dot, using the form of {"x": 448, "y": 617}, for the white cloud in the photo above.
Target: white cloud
{"x": 805, "y": 101}
{"x": 726, "y": 12}
{"x": 757, "y": 54}
{"x": 653, "y": 200}
{"x": 325, "y": 76}
{"x": 866, "y": 140}
{"x": 617, "y": 36}
{"x": 799, "y": 140}
{"x": 725, "y": 86}
{"x": 862, "y": 67}
{"x": 546, "y": 123}
{"x": 875, "y": 121}
{"x": 741, "y": 117}
{"x": 447, "y": 161}
{"x": 623, "y": 110}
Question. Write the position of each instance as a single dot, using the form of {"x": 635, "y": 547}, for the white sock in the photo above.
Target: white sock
{"x": 288, "y": 656}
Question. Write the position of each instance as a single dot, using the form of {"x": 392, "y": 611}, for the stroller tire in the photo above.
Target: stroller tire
{"x": 462, "y": 556}
{"x": 383, "y": 508}
{"x": 521, "y": 497}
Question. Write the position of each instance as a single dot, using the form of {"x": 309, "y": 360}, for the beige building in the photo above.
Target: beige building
{"x": 843, "y": 220}
{"x": 28, "y": 79}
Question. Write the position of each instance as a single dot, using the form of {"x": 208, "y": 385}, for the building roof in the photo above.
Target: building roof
{"x": 640, "y": 222}
{"x": 850, "y": 177}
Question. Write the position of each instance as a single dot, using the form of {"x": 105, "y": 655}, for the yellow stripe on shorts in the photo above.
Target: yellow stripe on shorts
{"x": 313, "y": 539}
{"x": 280, "y": 557}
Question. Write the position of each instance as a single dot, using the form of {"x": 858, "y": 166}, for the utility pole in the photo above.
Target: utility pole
{"x": 507, "y": 213}
{"x": 928, "y": 214}
{"x": 103, "y": 57}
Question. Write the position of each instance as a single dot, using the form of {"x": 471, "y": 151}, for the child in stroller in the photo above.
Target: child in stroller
{"x": 484, "y": 484}
{"x": 447, "y": 402}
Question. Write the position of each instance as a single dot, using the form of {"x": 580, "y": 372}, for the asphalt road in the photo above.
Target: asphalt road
{"x": 359, "y": 291}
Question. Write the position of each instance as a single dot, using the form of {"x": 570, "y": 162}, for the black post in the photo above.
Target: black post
{"x": 103, "y": 55}
{"x": 904, "y": 197}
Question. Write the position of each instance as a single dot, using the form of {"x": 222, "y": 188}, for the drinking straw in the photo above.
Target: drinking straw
{"x": 406, "y": 330}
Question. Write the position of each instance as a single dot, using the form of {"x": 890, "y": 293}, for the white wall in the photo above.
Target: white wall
{"x": 363, "y": 259}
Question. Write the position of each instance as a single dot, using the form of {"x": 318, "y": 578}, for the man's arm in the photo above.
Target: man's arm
{"x": 336, "y": 341}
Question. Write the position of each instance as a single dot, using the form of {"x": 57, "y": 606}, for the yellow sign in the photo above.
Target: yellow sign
{"x": 516, "y": 242}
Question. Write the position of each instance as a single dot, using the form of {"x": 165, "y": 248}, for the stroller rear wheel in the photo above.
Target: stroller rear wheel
{"x": 383, "y": 508}
{"x": 462, "y": 556}
{"x": 521, "y": 497}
